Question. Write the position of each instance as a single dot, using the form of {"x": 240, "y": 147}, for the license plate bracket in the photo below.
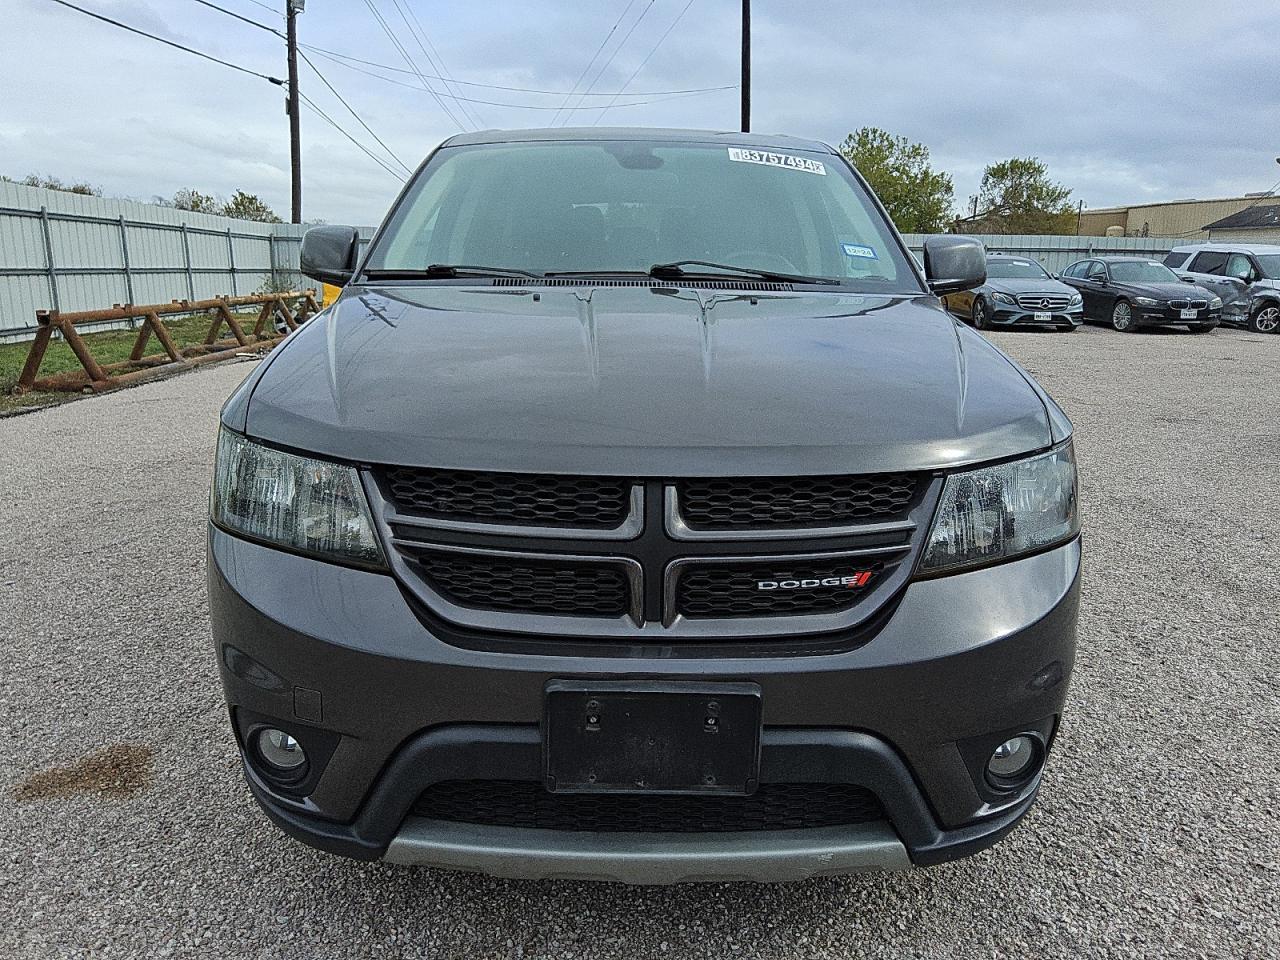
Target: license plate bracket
{"x": 1042, "y": 317}
{"x": 1189, "y": 313}
{"x": 639, "y": 736}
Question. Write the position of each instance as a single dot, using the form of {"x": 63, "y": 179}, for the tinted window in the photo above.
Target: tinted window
{"x": 1175, "y": 260}
{"x": 1003, "y": 267}
{"x": 1209, "y": 261}
{"x": 624, "y": 206}
{"x": 1076, "y": 270}
{"x": 1142, "y": 271}
{"x": 1269, "y": 263}
{"x": 1095, "y": 268}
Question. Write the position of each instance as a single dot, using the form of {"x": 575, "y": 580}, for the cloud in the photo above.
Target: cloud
{"x": 1125, "y": 102}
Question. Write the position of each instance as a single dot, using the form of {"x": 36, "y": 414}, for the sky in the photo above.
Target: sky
{"x": 1126, "y": 102}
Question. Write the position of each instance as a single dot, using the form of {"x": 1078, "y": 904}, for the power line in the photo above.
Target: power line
{"x": 386, "y": 28}
{"x": 232, "y": 13}
{"x": 315, "y": 69}
{"x": 605, "y": 66}
{"x": 443, "y": 67}
{"x": 341, "y": 57}
{"x": 466, "y": 112}
{"x": 266, "y": 6}
{"x": 333, "y": 123}
{"x": 170, "y": 43}
{"x": 352, "y": 111}
{"x": 674, "y": 95}
{"x": 416, "y": 88}
{"x": 652, "y": 51}
{"x": 595, "y": 56}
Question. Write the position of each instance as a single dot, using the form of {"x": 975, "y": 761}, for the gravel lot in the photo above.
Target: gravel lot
{"x": 1155, "y": 833}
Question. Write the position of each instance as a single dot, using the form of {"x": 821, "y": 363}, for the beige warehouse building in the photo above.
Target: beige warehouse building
{"x": 1177, "y": 218}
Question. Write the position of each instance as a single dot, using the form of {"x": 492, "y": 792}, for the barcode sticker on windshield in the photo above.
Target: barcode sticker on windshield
{"x": 785, "y": 160}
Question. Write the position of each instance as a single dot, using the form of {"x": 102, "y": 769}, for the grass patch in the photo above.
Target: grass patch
{"x": 109, "y": 346}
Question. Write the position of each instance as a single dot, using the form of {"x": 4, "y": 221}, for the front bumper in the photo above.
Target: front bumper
{"x": 1160, "y": 316}
{"x": 1002, "y": 314}
{"x": 340, "y": 655}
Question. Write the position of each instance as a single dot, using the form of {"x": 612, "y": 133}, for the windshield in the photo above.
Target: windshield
{"x": 1003, "y": 269}
{"x": 1269, "y": 263}
{"x": 623, "y": 206}
{"x": 1142, "y": 271}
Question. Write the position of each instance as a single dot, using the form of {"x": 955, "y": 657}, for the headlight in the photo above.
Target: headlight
{"x": 1215, "y": 303}
{"x": 299, "y": 503}
{"x": 1003, "y": 298}
{"x": 1000, "y": 512}
{"x": 1145, "y": 301}
{"x": 1076, "y": 300}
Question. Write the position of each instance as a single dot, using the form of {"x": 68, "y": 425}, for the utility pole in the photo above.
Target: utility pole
{"x": 294, "y": 7}
{"x": 1079, "y": 214}
{"x": 746, "y": 66}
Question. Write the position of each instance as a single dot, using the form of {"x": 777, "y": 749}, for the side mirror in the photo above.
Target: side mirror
{"x": 329, "y": 254}
{"x": 952, "y": 264}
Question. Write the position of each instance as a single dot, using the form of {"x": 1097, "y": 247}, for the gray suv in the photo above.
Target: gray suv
{"x": 637, "y": 512}
{"x": 1245, "y": 275}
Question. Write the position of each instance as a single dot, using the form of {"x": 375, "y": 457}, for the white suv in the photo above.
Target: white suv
{"x": 1245, "y": 275}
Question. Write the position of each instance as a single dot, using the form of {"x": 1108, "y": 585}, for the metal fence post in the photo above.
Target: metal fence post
{"x": 186, "y": 253}
{"x": 271, "y": 256}
{"x": 231, "y": 261}
{"x": 48, "y": 257}
{"x": 124, "y": 256}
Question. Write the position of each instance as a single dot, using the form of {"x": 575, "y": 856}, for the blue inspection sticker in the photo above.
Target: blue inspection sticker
{"x": 859, "y": 250}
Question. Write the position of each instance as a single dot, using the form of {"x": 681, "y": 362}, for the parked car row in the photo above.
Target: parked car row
{"x": 1197, "y": 286}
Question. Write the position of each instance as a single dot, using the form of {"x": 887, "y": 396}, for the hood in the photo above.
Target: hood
{"x": 641, "y": 381}
{"x": 1021, "y": 285}
{"x": 1165, "y": 291}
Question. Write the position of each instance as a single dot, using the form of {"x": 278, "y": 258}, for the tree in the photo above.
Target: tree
{"x": 196, "y": 202}
{"x": 53, "y": 183}
{"x": 248, "y": 206}
{"x": 1017, "y": 196}
{"x": 918, "y": 198}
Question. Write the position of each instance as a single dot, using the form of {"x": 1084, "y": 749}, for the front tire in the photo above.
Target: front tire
{"x": 1122, "y": 317}
{"x": 981, "y": 314}
{"x": 1266, "y": 319}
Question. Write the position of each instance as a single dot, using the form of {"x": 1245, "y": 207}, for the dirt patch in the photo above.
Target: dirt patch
{"x": 116, "y": 772}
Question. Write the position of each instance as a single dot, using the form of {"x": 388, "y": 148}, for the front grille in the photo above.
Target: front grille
{"x": 532, "y": 499}
{"x": 524, "y": 803}
{"x": 1188, "y": 304}
{"x": 715, "y": 591}
{"x": 736, "y": 502}
{"x": 551, "y": 587}
{"x": 1043, "y": 301}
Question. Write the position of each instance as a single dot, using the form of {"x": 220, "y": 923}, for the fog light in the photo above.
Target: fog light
{"x": 1012, "y": 760}
{"x": 279, "y": 751}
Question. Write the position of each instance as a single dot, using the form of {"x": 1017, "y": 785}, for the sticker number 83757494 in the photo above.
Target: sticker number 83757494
{"x": 785, "y": 160}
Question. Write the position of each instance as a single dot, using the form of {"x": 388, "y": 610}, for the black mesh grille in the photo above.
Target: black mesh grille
{"x": 734, "y": 590}
{"x": 517, "y": 498}
{"x": 726, "y": 503}
{"x": 559, "y": 588}
{"x": 774, "y": 806}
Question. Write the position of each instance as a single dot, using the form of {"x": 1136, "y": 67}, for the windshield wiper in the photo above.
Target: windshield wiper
{"x": 676, "y": 269}
{"x": 449, "y": 271}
